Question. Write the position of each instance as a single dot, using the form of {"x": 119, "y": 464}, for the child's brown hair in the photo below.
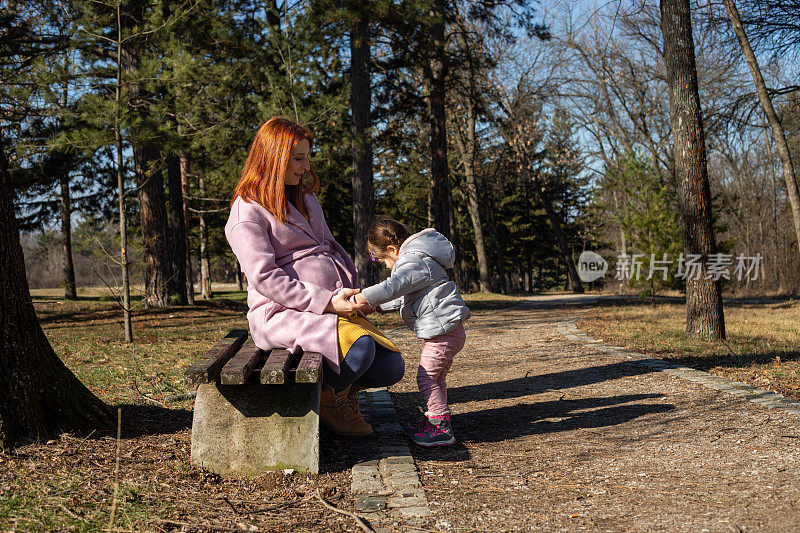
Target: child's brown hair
{"x": 384, "y": 233}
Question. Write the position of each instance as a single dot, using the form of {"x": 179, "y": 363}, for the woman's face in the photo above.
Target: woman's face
{"x": 298, "y": 163}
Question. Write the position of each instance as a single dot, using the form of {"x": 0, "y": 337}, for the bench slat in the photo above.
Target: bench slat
{"x": 276, "y": 368}
{"x": 309, "y": 370}
{"x": 241, "y": 365}
{"x": 207, "y": 368}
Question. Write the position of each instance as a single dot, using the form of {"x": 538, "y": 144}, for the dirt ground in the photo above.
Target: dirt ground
{"x": 553, "y": 436}
{"x": 72, "y": 484}
{"x": 557, "y": 437}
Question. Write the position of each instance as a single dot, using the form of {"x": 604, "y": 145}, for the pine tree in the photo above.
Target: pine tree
{"x": 646, "y": 214}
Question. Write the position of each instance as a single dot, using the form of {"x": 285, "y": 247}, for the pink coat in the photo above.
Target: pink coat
{"x": 292, "y": 271}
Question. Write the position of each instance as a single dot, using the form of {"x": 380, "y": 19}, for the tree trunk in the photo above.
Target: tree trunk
{"x": 455, "y": 238}
{"x": 205, "y": 259}
{"x": 440, "y": 181}
{"x": 467, "y": 147}
{"x": 499, "y": 255}
{"x": 239, "y": 276}
{"x": 149, "y": 183}
{"x": 623, "y": 241}
{"x": 187, "y": 245}
{"x": 704, "y": 312}
{"x": 70, "y": 288}
{"x": 360, "y": 126}
{"x": 123, "y": 216}
{"x": 769, "y": 110}
{"x": 153, "y": 219}
{"x": 623, "y": 246}
{"x": 574, "y": 282}
{"x": 178, "y": 230}
{"x": 776, "y": 277}
{"x": 41, "y": 397}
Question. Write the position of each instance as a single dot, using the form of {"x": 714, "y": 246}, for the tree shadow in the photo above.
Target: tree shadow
{"x": 43, "y": 298}
{"x": 727, "y": 360}
{"x": 149, "y": 420}
{"x": 524, "y": 419}
{"x": 509, "y": 422}
{"x": 491, "y": 304}
{"x": 613, "y": 300}
{"x": 535, "y": 384}
{"x": 145, "y": 420}
{"x": 222, "y": 309}
{"x": 501, "y": 423}
{"x": 224, "y": 304}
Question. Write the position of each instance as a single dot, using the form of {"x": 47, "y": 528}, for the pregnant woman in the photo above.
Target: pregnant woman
{"x": 299, "y": 279}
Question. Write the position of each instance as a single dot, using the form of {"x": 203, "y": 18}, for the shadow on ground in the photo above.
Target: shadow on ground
{"x": 537, "y": 417}
{"x": 734, "y": 361}
{"x": 612, "y": 300}
{"x": 512, "y": 421}
{"x": 508, "y": 422}
{"x": 534, "y": 384}
{"x": 147, "y": 420}
{"x": 227, "y": 309}
{"x": 142, "y": 420}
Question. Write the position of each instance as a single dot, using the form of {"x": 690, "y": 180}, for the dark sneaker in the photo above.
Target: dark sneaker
{"x": 435, "y": 431}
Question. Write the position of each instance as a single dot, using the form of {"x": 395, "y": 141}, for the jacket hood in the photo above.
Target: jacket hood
{"x": 431, "y": 243}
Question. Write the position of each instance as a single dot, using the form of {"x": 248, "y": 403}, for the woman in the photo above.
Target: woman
{"x": 299, "y": 279}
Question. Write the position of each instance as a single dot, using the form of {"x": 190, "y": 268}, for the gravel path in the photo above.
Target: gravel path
{"x": 557, "y": 435}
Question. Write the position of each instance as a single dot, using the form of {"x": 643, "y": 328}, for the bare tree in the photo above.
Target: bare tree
{"x": 704, "y": 312}
{"x": 772, "y": 117}
{"x": 520, "y": 89}
{"x": 466, "y": 136}
{"x": 121, "y": 193}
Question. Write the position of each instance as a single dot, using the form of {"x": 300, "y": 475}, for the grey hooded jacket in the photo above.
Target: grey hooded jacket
{"x": 429, "y": 302}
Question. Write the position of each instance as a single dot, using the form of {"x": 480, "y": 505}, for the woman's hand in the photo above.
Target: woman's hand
{"x": 342, "y": 304}
{"x": 360, "y": 299}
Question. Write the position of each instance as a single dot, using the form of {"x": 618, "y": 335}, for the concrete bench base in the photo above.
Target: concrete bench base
{"x": 247, "y": 430}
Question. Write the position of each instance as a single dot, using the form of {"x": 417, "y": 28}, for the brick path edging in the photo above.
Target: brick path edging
{"x": 728, "y": 386}
{"x": 385, "y": 482}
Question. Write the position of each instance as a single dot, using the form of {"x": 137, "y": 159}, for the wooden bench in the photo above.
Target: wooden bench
{"x": 255, "y": 411}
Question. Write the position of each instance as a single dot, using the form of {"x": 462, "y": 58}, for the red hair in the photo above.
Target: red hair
{"x": 262, "y": 179}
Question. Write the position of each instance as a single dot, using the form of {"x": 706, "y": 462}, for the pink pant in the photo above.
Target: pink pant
{"x": 437, "y": 357}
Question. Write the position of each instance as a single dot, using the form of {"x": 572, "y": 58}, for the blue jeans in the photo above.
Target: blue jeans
{"x": 367, "y": 364}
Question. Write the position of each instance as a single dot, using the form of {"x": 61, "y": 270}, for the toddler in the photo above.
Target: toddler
{"x": 429, "y": 304}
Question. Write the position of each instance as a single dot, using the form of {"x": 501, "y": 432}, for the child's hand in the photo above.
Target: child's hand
{"x": 359, "y": 299}
{"x": 342, "y": 303}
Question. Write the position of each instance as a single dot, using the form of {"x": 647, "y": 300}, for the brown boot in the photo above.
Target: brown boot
{"x": 352, "y": 397}
{"x": 339, "y": 412}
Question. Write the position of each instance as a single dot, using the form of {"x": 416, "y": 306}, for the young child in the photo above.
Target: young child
{"x": 429, "y": 304}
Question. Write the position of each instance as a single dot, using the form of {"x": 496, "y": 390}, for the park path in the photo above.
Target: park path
{"x": 556, "y": 435}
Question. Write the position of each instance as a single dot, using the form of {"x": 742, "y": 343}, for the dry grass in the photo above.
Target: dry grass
{"x": 762, "y": 347}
